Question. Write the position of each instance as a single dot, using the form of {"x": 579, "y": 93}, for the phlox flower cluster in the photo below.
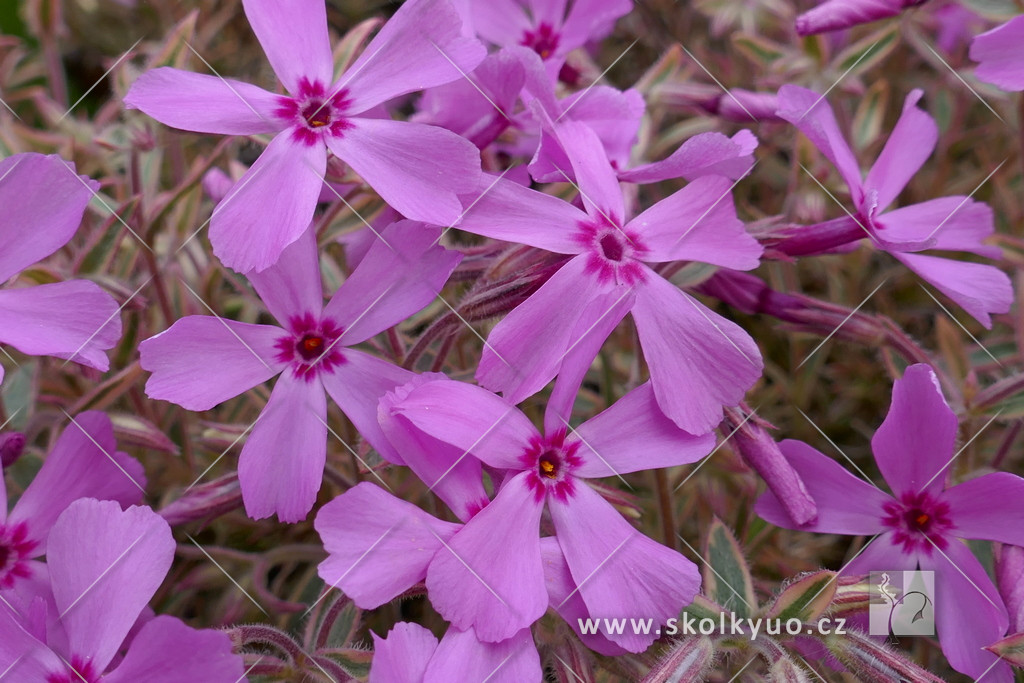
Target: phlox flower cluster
{"x": 476, "y": 153}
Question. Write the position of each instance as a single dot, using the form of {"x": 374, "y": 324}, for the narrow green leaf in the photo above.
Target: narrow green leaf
{"x": 726, "y": 574}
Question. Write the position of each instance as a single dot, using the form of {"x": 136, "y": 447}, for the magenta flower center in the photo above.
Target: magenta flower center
{"x": 919, "y": 522}
{"x": 613, "y": 251}
{"x": 312, "y": 347}
{"x": 543, "y": 40}
{"x": 314, "y": 112}
{"x": 612, "y": 247}
{"x": 550, "y": 463}
{"x": 15, "y": 551}
{"x": 317, "y": 113}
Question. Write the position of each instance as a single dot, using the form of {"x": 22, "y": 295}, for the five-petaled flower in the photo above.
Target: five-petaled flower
{"x": 491, "y": 576}
{"x": 201, "y": 361}
{"x": 698, "y": 360}
{"x": 417, "y": 169}
{"x": 921, "y": 523}
{"x": 955, "y": 223}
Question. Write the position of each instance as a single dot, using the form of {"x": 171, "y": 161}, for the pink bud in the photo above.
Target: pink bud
{"x": 11, "y": 446}
{"x": 747, "y": 106}
{"x": 834, "y": 15}
{"x": 206, "y": 500}
{"x": 759, "y": 450}
{"x": 1010, "y": 577}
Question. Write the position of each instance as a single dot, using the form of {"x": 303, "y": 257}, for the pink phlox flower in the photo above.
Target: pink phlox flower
{"x": 84, "y": 463}
{"x": 416, "y": 169}
{"x": 490, "y": 575}
{"x": 104, "y": 566}
{"x": 380, "y": 546}
{"x": 201, "y": 361}
{"x": 411, "y": 654}
{"x": 954, "y": 223}
{"x": 921, "y": 523}
{"x": 561, "y": 327}
{"x": 43, "y": 200}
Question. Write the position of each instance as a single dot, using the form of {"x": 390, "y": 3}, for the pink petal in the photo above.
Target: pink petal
{"x": 605, "y": 553}
{"x": 915, "y": 444}
{"x": 547, "y": 11}
{"x": 846, "y": 504}
{"x": 489, "y": 576}
{"x": 43, "y": 199}
{"x": 493, "y": 431}
{"x": 418, "y": 170}
{"x": 476, "y": 107}
{"x": 201, "y": 361}
{"x": 513, "y": 361}
{"x": 462, "y": 657}
{"x": 911, "y": 142}
{"x": 378, "y": 546}
{"x": 977, "y": 288}
{"x": 403, "y": 271}
{"x": 84, "y": 463}
{"x": 105, "y": 564}
{"x": 449, "y": 471}
{"x": 291, "y": 287}
{"x": 204, "y": 104}
{"x": 975, "y": 515}
{"x": 974, "y": 618}
{"x": 998, "y": 53}
{"x": 281, "y": 466}
{"x": 74, "y": 320}
{"x": 611, "y": 113}
{"x": 403, "y": 655}
{"x": 595, "y": 178}
{"x": 357, "y": 386}
{"x": 564, "y": 596}
{"x": 599, "y": 318}
{"x": 591, "y": 19}
{"x": 294, "y": 37}
{"x": 880, "y": 554}
{"x": 608, "y": 441}
{"x": 950, "y": 223}
{"x": 155, "y": 655}
{"x": 812, "y": 115}
{"x": 505, "y": 210}
{"x": 502, "y": 22}
{"x": 702, "y": 155}
{"x": 271, "y": 206}
{"x": 688, "y": 345}
{"x": 22, "y": 656}
{"x": 421, "y": 46}
{"x": 698, "y": 223}
{"x": 614, "y": 115}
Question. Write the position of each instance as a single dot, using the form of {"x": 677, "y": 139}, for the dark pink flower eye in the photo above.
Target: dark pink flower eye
{"x": 612, "y": 247}
{"x": 310, "y": 346}
{"x": 317, "y": 114}
{"x": 549, "y": 465}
